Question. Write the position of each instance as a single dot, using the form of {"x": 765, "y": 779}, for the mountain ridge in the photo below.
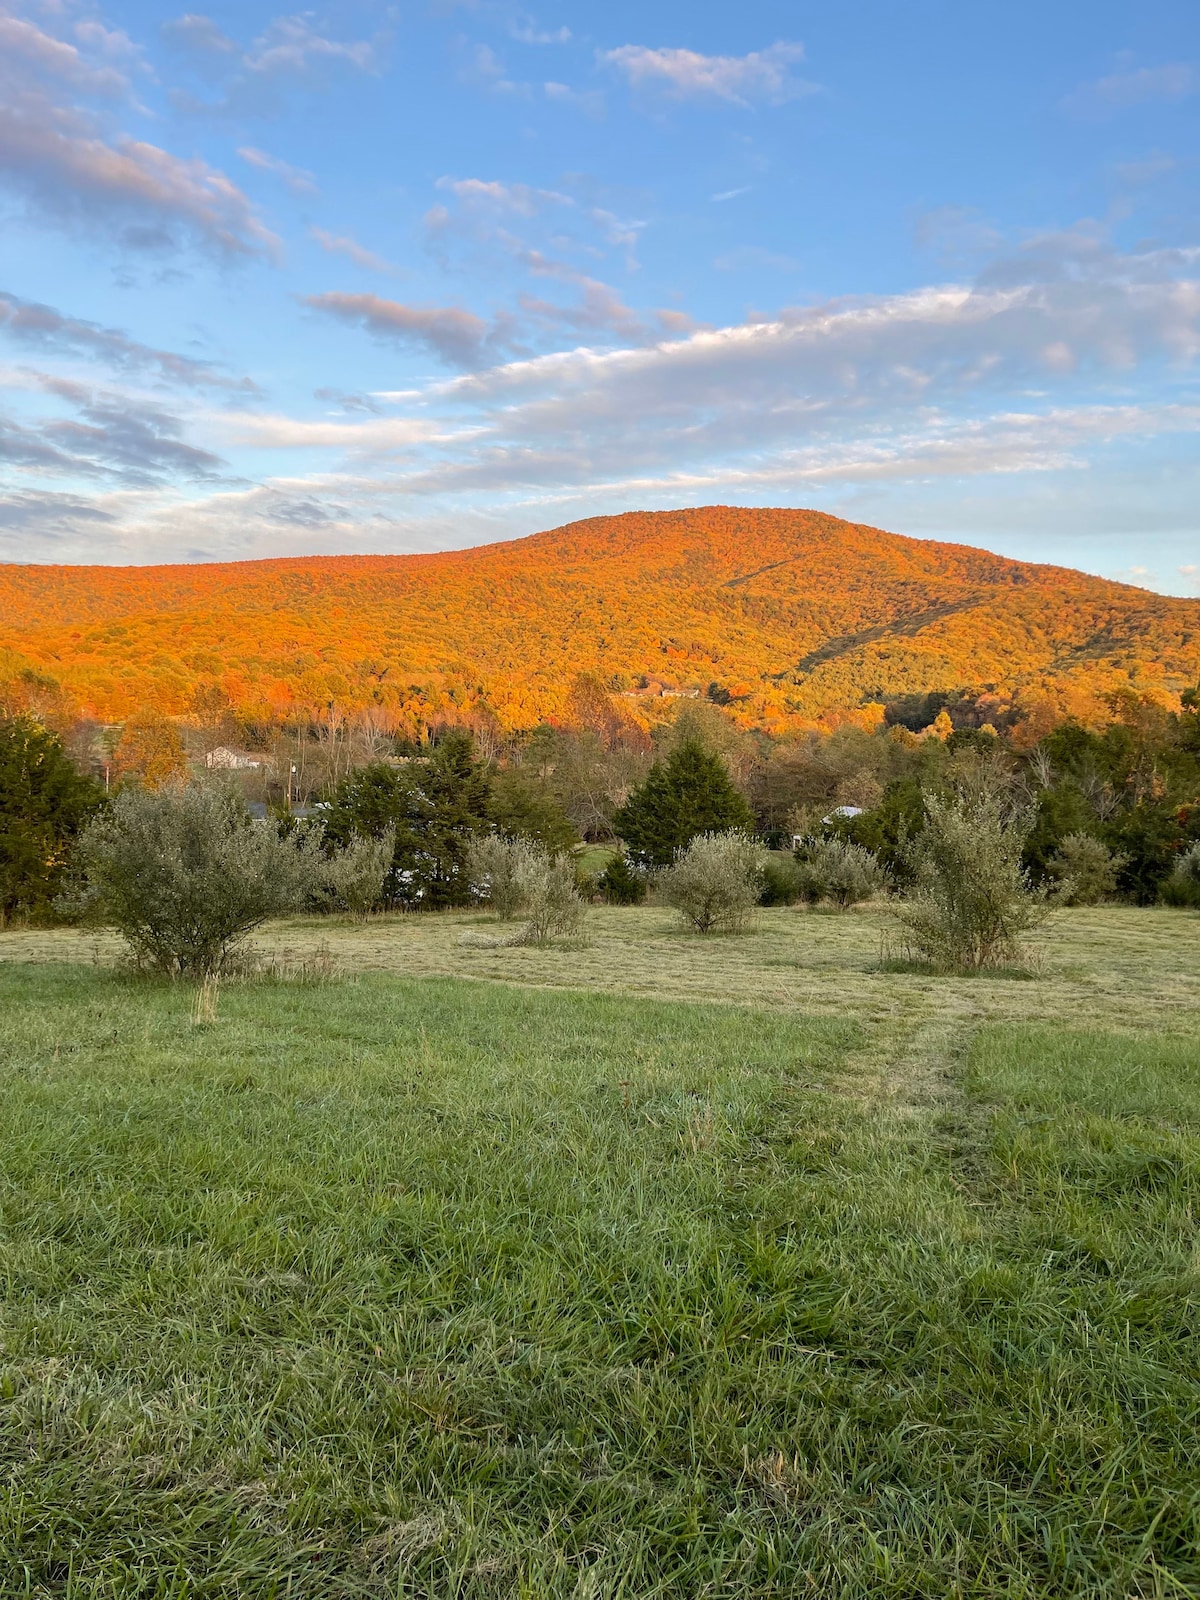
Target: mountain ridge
{"x": 797, "y": 616}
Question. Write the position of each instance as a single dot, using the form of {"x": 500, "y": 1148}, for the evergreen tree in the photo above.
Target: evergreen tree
{"x": 620, "y": 884}
{"x": 691, "y": 793}
{"x": 44, "y": 802}
{"x": 436, "y": 806}
{"x": 523, "y": 807}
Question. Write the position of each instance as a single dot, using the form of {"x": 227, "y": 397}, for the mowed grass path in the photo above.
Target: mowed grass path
{"x": 433, "y": 1287}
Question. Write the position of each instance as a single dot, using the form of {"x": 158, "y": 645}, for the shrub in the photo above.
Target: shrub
{"x": 184, "y": 875}
{"x": 352, "y": 878}
{"x": 1182, "y": 888}
{"x": 841, "y": 872}
{"x": 971, "y": 899}
{"x": 1086, "y": 869}
{"x": 499, "y": 872}
{"x": 716, "y": 881}
{"x": 551, "y": 898}
{"x": 621, "y": 883}
{"x": 781, "y": 881}
{"x": 43, "y": 804}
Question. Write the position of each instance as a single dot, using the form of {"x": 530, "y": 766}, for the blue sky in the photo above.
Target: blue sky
{"x": 404, "y": 277}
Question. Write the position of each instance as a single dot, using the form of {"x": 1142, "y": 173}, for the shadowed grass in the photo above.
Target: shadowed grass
{"x": 433, "y": 1288}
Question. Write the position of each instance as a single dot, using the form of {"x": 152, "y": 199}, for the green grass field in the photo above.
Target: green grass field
{"x": 661, "y": 1267}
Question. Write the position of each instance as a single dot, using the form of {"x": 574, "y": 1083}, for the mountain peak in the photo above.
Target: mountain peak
{"x": 795, "y": 616}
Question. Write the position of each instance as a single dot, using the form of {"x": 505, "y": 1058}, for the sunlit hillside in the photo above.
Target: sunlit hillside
{"x": 787, "y": 616}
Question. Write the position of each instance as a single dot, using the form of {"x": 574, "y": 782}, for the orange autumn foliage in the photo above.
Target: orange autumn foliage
{"x": 796, "y": 618}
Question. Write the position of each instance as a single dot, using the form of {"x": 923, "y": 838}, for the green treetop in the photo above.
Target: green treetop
{"x": 688, "y": 794}
{"x": 44, "y": 802}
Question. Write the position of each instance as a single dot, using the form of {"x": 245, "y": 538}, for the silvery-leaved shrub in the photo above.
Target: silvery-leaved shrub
{"x": 352, "y": 878}
{"x": 1182, "y": 887}
{"x": 716, "y": 881}
{"x": 184, "y": 875}
{"x": 498, "y": 870}
{"x": 1086, "y": 869}
{"x": 971, "y": 901}
{"x": 841, "y": 872}
{"x": 550, "y": 898}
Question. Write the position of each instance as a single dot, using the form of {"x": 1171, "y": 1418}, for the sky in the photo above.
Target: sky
{"x": 387, "y": 278}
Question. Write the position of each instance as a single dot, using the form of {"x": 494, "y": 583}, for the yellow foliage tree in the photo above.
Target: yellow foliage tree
{"x": 151, "y": 749}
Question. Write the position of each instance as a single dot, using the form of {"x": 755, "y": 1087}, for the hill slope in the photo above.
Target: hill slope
{"x": 797, "y": 614}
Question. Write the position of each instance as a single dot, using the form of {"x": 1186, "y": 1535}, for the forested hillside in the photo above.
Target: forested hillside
{"x": 786, "y": 617}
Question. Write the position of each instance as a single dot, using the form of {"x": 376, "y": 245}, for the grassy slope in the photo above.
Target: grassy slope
{"x": 427, "y": 1287}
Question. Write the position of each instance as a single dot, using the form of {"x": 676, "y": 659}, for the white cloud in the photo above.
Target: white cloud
{"x": 1139, "y": 86}
{"x": 590, "y": 101}
{"x": 274, "y": 432}
{"x": 763, "y": 75}
{"x": 57, "y": 154}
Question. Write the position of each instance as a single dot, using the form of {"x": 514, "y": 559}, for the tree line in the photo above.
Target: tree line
{"x": 834, "y": 817}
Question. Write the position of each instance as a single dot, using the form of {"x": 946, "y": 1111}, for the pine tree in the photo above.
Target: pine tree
{"x": 620, "y": 884}
{"x": 691, "y": 793}
{"x": 44, "y": 802}
{"x": 436, "y": 806}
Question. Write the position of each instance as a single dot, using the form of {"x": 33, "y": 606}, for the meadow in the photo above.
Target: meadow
{"x": 659, "y": 1266}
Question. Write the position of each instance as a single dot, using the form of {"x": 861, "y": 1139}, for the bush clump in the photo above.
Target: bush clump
{"x": 353, "y": 877}
{"x": 499, "y": 871}
{"x": 840, "y": 872}
{"x": 184, "y": 875}
{"x": 1086, "y": 869}
{"x": 971, "y": 900}
{"x": 551, "y": 901}
{"x": 716, "y": 881}
{"x": 781, "y": 881}
{"x": 1182, "y": 888}
{"x": 621, "y": 883}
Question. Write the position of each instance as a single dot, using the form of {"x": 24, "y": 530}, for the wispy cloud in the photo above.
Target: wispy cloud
{"x": 526, "y": 31}
{"x": 343, "y": 245}
{"x": 483, "y": 67}
{"x": 290, "y": 53}
{"x": 55, "y": 153}
{"x": 109, "y": 436}
{"x": 761, "y": 76}
{"x": 455, "y": 335}
{"x": 296, "y": 179}
{"x": 751, "y": 257}
{"x": 590, "y": 101}
{"x": 1120, "y": 91}
{"x": 41, "y": 327}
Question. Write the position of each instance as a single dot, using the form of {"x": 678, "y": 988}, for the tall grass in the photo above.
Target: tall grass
{"x": 432, "y": 1288}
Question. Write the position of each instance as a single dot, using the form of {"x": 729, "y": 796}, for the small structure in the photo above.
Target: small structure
{"x": 838, "y": 814}
{"x": 223, "y": 759}
{"x": 841, "y": 814}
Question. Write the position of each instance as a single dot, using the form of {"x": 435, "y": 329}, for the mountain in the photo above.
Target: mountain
{"x": 796, "y": 616}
